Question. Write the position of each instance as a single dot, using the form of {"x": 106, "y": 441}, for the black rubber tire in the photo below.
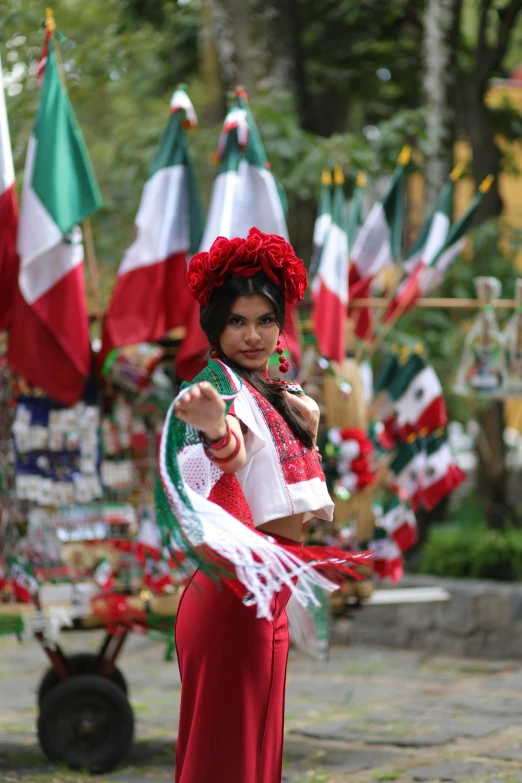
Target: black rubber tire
{"x": 80, "y": 663}
{"x": 86, "y": 722}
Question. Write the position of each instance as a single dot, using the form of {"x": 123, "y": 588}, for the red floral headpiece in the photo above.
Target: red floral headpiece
{"x": 259, "y": 252}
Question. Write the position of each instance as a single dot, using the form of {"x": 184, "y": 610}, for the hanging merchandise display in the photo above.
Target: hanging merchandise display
{"x": 57, "y": 452}
{"x": 483, "y": 369}
{"x": 513, "y": 343}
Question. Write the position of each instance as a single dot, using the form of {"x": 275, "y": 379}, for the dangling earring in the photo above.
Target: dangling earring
{"x": 284, "y": 364}
{"x": 214, "y": 353}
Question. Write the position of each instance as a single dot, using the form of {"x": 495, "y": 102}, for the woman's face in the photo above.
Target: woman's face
{"x": 251, "y": 332}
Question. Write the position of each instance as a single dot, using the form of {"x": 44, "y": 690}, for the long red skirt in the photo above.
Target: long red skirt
{"x": 233, "y": 672}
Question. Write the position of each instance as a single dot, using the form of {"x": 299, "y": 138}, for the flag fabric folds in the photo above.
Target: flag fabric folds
{"x": 246, "y": 193}
{"x": 49, "y": 337}
{"x": 331, "y": 283}
{"x": 8, "y": 218}
{"x": 151, "y": 294}
{"x": 378, "y": 243}
{"x": 322, "y": 223}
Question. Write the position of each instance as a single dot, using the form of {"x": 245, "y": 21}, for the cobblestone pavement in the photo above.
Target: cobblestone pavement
{"x": 367, "y": 715}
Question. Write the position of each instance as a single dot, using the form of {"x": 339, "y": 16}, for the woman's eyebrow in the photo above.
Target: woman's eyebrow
{"x": 245, "y": 317}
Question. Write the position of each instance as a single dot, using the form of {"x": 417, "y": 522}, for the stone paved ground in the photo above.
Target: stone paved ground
{"x": 368, "y": 715}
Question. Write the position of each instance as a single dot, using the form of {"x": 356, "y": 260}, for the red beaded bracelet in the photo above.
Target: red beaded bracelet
{"x": 231, "y": 456}
{"x": 217, "y": 445}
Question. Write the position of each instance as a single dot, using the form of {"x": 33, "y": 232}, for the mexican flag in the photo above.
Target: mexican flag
{"x": 417, "y": 397}
{"x": 361, "y": 316}
{"x": 378, "y": 244}
{"x": 441, "y": 473}
{"x": 426, "y": 247}
{"x": 148, "y": 541}
{"x": 151, "y": 294}
{"x": 245, "y": 193}
{"x": 433, "y": 275}
{"x": 103, "y": 575}
{"x": 331, "y": 283}
{"x": 49, "y": 338}
{"x": 408, "y": 469}
{"x": 398, "y": 519}
{"x": 387, "y": 561}
{"x": 156, "y": 575}
{"x": 8, "y": 218}
{"x": 323, "y": 222}
{"x": 23, "y": 581}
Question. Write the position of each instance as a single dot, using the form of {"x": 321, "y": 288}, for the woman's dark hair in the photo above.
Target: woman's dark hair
{"x": 213, "y": 319}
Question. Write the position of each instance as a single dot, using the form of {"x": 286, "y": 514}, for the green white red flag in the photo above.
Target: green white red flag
{"x": 49, "y": 337}
{"x": 245, "y": 193}
{"x": 8, "y": 218}
{"x": 417, "y": 398}
{"x": 322, "y": 223}
{"x": 433, "y": 275}
{"x": 330, "y": 292}
{"x": 378, "y": 243}
{"x": 151, "y": 295}
{"x": 425, "y": 250}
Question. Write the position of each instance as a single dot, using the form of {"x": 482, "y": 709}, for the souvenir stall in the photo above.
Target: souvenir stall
{"x": 79, "y": 548}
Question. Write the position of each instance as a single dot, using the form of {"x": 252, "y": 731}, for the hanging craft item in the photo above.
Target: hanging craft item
{"x": 483, "y": 370}
{"x": 57, "y": 452}
{"x": 513, "y": 342}
{"x": 131, "y": 366}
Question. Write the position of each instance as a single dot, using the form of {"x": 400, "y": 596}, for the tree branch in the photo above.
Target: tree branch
{"x": 489, "y": 58}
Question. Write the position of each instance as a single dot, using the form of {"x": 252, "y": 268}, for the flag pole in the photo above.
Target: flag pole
{"x": 94, "y": 274}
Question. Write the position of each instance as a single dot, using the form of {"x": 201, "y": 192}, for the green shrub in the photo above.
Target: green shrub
{"x": 473, "y": 553}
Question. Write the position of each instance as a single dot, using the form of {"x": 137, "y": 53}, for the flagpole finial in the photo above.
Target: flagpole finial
{"x": 361, "y": 179}
{"x": 338, "y": 175}
{"x": 457, "y": 171}
{"x": 50, "y": 24}
{"x": 486, "y": 183}
{"x": 326, "y": 177}
{"x": 405, "y": 156}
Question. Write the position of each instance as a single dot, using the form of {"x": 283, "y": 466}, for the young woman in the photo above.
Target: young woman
{"x": 256, "y": 437}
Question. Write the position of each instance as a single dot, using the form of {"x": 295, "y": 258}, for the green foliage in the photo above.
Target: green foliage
{"x": 485, "y": 554}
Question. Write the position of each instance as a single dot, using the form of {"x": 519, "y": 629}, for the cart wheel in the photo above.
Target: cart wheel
{"x": 86, "y": 722}
{"x": 80, "y": 663}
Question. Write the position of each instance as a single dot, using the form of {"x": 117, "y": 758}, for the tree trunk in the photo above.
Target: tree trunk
{"x": 252, "y": 39}
{"x": 492, "y": 474}
{"x": 486, "y": 154}
{"x": 441, "y": 41}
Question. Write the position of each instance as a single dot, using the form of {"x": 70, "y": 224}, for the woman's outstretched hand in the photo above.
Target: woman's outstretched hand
{"x": 202, "y": 407}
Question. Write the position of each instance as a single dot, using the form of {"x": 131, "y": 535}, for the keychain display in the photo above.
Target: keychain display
{"x": 513, "y": 343}
{"x": 57, "y": 452}
{"x": 483, "y": 367}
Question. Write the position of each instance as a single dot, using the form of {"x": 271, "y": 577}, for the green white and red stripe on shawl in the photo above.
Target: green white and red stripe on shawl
{"x": 322, "y": 224}
{"x": 8, "y": 218}
{"x": 330, "y": 300}
{"x": 246, "y": 193}
{"x": 49, "y": 338}
{"x": 417, "y": 397}
{"x": 211, "y": 537}
{"x": 151, "y": 295}
{"x": 441, "y": 475}
{"x": 378, "y": 243}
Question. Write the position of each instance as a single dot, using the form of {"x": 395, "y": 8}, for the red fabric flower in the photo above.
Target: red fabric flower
{"x": 259, "y": 252}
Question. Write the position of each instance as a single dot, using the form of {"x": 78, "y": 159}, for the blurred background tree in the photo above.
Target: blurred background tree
{"x": 330, "y": 81}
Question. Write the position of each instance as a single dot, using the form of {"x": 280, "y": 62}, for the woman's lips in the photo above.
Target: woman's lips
{"x": 252, "y": 353}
